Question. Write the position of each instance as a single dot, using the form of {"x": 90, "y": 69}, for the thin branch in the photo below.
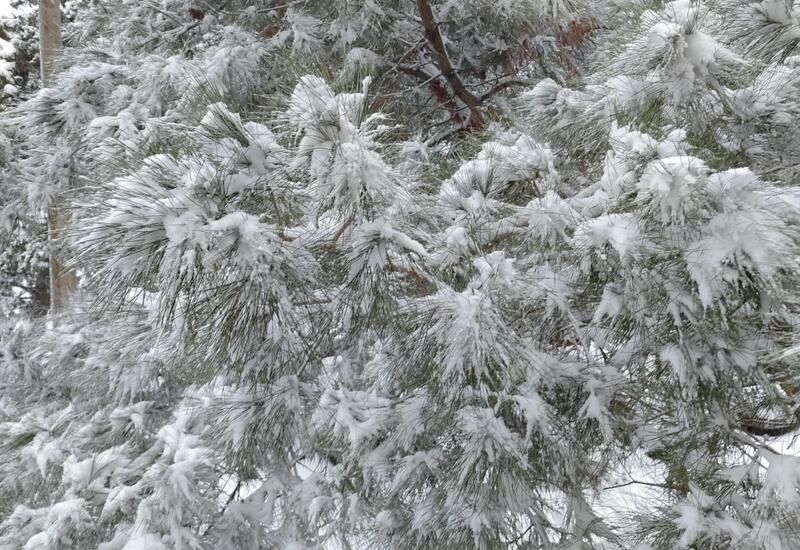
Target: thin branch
{"x": 633, "y": 482}
{"x": 417, "y": 72}
{"x": 28, "y": 289}
{"x": 502, "y": 86}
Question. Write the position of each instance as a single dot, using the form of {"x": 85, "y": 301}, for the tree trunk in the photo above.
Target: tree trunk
{"x": 49, "y": 37}
{"x": 62, "y": 281}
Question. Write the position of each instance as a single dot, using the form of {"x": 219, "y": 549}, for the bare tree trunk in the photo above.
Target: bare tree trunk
{"x": 62, "y": 281}
{"x": 49, "y": 37}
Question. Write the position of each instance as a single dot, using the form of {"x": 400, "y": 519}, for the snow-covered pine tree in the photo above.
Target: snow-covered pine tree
{"x": 312, "y": 329}
{"x": 24, "y": 281}
{"x": 297, "y": 339}
{"x": 675, "y": 224}
{"x": 436, "y": 64}
{"x": 18, "y": 50}
{"x": 23, "y": 264}
{"x": 19, "y": 46}
{"x": 23, "y": 230}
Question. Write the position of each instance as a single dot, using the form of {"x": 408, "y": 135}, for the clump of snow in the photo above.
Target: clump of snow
{"x": 145, "y": 542}
{"x": 756, "y": 238}
{"x": 670, "y": 182}
{"x": 551, "y": 218}
{"x": 619, "y": 231}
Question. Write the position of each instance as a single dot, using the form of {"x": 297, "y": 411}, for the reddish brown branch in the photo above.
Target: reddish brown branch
{"x": 572, "y": 38}
{"x": 434, "y": 37}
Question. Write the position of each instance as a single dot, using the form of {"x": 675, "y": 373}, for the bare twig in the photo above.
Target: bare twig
{"x": 502, "y": 86}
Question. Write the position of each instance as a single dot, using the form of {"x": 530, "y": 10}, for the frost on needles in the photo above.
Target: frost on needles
{"x": 409, "y": 274}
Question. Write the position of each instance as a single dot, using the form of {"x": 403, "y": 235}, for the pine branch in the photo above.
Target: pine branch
{"x": 502, "y": 86}
{"x": 768, "y": 428}
{"x": 436, "y": 41}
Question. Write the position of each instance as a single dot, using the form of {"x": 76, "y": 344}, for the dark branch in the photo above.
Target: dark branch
{"x": 768, "y": 428}
{"x": 502, "y": 86}
{"x": 634, "y": 482}
{"x": 435, "y": 40}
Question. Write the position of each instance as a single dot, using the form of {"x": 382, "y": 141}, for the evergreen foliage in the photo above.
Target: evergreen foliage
{"x": 343, "y": 287}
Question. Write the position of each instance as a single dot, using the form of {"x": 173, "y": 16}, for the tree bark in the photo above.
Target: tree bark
{"x": 62, "y": 281}
{"x": 434, "y": 37}
{"x": 49, "y": 37}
